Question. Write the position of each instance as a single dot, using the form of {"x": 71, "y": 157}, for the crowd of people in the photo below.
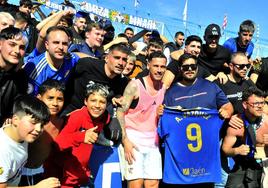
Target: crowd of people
{"x": 81, "y": 107}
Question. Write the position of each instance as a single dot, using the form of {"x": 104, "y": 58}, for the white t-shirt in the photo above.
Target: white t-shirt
{"x": 13, "y": 156}
{"x": 167, "y": 54}
{"x": 140, "y": 45}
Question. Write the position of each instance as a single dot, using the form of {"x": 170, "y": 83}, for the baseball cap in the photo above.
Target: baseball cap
{"x": 213, "y": 30}
{"x": 107, "y": 25}
{"x": 155, "y": 34}
{"x": 80, "y": 14}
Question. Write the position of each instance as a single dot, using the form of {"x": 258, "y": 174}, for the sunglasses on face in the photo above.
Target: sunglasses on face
{"x": 242, "y": 66}
{"x": 187, "y": 67}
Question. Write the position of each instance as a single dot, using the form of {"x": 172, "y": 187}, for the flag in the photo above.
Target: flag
{"x": 136, "y": 3}
{"x": 224, "y": 24}
{"x": 184, "y": 14}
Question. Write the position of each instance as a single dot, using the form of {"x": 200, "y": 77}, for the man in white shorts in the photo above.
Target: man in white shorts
{"x": 138, "y": 119}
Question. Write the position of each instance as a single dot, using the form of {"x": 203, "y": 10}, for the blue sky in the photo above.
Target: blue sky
{"x": 200, "y": 14}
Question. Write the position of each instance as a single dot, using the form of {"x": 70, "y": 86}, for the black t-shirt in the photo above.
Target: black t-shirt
{"x": 262, "y": 81}
{"x": 213, "y": 62}
{"x": 172, "y": 46}
{"x": 234, "y": 91}
{"x": 33, "y": 35}
{"x": 77, "y": 38}
{"x": 90, "y": 69}
{"x": 12, "y": 85}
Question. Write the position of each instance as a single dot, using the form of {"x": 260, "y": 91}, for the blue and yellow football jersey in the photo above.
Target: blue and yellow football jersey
{"x": 191, "y": 146}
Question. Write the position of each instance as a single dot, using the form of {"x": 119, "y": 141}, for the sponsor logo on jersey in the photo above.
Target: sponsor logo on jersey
{"x": 1, "y": 170}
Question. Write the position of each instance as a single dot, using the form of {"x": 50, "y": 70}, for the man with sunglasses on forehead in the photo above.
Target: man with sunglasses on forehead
{"x": 192, "y": 92}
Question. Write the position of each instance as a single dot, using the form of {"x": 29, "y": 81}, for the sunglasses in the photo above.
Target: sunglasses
{"x": 242, "y": 66}
{"x": 187, "y": 67}
{"x": 257, "y": 104}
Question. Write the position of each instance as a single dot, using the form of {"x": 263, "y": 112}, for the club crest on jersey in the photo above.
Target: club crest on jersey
{"x": 178, "y": 119}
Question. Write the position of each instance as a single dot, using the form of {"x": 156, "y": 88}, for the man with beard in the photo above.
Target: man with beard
{"x": 55, "y": 63}
{"x": 173, "y": 46}
{"x": 213, "y": 57}
{"x": 189, "y": 93}
{"x": 243, "y": 42}
{"x": 193, "y": 45}
{"x": 78, "y": 29}
{"x": 237, "y": 83}
{"x": 141, "y": 63}
{"x": 107, "y": 72}
{"x": 138, "y": 120}
{"x": 211, "y": 96}
{"x": 233, "y": 89}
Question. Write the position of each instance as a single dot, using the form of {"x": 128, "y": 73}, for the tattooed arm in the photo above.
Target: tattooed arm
{"x": 130, "y": 93}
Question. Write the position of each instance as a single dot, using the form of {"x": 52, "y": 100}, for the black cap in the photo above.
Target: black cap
{"x": 213, "y": 30}
{"x": 108, "y": 26}
{"x": 155, "y": 34}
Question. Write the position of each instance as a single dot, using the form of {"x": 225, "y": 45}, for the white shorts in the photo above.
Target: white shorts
{"x": 148, "y": 164}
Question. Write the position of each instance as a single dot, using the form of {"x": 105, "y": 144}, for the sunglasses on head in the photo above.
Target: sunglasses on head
{"x": 242, "y": 66}
{"x": 187, "y": 67}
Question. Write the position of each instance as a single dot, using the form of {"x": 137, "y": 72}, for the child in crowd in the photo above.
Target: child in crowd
{"x": 80, "y": 133}
{"x": 29, "y": 117}
{"x": 51, "y": 92}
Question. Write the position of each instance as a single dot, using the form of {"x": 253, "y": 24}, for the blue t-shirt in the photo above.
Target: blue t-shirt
{"x": 191, "y": 145}
{"x": 202, "y": 93}
{"x": 39, "y": 70}
{"x": 84, "y": 48}
{"x": 233, "y": 46}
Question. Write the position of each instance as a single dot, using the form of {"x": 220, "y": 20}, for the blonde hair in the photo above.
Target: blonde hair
{"x": 7, "y": 16}
{"x": 132, "y": 57}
